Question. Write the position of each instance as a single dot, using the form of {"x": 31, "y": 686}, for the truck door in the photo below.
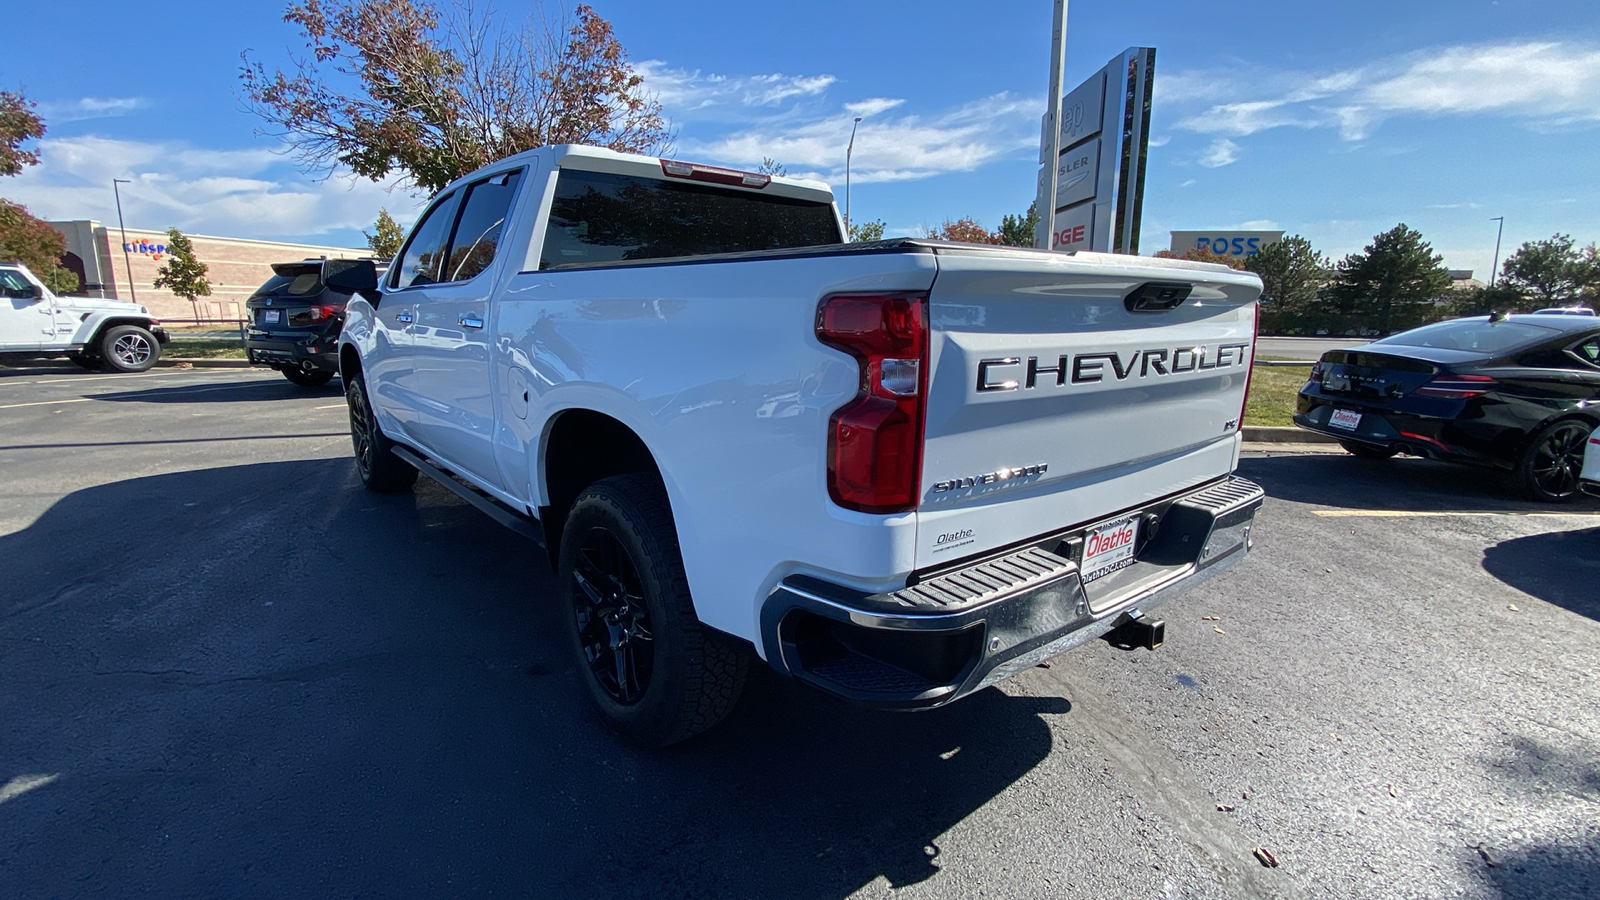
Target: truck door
{"x": 25, "y": 313}
{"x": 392, "y": 376}
{"x": 456, "y": 416}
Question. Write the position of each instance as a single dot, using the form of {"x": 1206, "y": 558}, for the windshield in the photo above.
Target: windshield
{"x": 1477, "y": 335}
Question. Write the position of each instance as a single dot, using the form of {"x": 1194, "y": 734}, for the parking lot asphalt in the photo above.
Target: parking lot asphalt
{"x": 229, "y": 671}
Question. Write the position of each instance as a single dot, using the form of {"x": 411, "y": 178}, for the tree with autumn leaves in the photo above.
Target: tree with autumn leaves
{"x": 23, "y": 237}
{"x": 430, "y": 92}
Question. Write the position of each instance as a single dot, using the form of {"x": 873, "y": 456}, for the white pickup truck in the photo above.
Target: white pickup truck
{"x": 94, "y": 333}
{"x": 898, "y": 471}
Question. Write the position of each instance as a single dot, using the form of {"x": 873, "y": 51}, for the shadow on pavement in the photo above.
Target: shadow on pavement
{"x": 1403, "y": 483}
{"x": 253, "y": 390}
{"x": 1561, "y": 567}
{"x": 261, "y": 680}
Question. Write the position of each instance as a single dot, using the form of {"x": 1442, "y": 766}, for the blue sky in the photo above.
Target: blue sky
{"x": 1331, "y": 120}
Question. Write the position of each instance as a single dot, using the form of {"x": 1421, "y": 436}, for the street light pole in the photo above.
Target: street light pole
{"x": 126, "y": 259}
{"x": 1499, "y": 231}
{"x": 847, "y": 152}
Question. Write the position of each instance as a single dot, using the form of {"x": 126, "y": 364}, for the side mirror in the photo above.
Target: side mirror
{"x": 351, "y": 276}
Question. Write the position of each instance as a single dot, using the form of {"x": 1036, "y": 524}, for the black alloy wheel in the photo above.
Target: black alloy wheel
{"x": 379, "y": 468}
{"x": 612, "y": 618}
{"x": 652, "y": 670}
{"x": 1550, "y": 468}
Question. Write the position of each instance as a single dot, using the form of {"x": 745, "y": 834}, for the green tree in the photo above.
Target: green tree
{"x": 1017, "y": 231}
{"x": 18, "y": 123}
{"x": 23, "y": 237}
{"x": 860, "y": 232}
{"x": 1392, "y": 284}
{"x": 1293, "y": 274}
{"x": 770, "y": 166}
{"x": 1480, "y": 301}
{"x": 965, "y": 229}
{"x": 386, "y": 236}
{"x": 432, "y": 91}
{"x": 1550, "y": 272}
{"x": 33, "y": 243}
{"x": 182, "y": 273}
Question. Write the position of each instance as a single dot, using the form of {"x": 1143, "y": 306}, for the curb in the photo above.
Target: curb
{"x": 180, "y": 362}
{"x": 1269, "y": 434}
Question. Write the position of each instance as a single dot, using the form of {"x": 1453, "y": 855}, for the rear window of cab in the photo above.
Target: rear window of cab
{"x": 599, "y": 217}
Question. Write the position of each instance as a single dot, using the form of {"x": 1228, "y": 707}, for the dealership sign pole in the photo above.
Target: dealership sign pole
{"x": 1050, "y": 140}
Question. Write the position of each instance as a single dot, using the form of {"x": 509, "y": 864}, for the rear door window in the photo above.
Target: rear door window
{"x": 1588, "y": 351}
{"x": 480, "y": 227}
{"x": 600, "y": 217}
{"x": 423, "y": 257}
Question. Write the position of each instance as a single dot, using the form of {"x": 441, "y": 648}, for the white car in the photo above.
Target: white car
{"x": 1589, "y": 480}
{"x": 897, "y": 471}
{"x": 94, "y": 333}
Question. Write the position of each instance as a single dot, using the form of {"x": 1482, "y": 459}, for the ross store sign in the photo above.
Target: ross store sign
{"x": 1224, "y": 242}
{"x": 145, "y": 248}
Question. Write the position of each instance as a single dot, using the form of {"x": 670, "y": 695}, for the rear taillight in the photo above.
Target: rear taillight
{"x": 875, "y": 440}
{"x": 1249, "y": 373}
{"x": 1457, "y": 387}
{"x": 324, "y": 313}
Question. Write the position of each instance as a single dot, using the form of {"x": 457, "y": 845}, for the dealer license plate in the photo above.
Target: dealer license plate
{"x": 270, "y": 316}
{"x": 1347, "y": 419}
{"x": 1109, "y": 547}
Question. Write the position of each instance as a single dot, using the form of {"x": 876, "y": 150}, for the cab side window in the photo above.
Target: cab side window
{"x": 423, "y": 258}
{"x": 480, "y": 227}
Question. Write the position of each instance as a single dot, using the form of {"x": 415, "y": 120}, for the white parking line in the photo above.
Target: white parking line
{"x": 47, "y": 402}
{"x": 1433, "y": 514}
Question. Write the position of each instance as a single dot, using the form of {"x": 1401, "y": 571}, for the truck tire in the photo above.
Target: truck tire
{"x": 656, "y": 674}
{"x": 313, "y": 379}
{"x": 128, "y": 348}
{"x": 381, "y": 471}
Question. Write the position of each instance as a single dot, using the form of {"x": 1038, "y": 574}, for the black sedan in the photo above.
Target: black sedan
{"x": 1517, "y": 392}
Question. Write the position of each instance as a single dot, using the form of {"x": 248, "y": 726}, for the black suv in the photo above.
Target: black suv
{"x": 292, "y": 322}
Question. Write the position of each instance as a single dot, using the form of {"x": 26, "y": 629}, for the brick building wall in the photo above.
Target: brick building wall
{"x": 237, "y": 266}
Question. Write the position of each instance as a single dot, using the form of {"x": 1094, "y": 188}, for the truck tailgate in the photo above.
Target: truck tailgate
{"x": 1053, "y": 404}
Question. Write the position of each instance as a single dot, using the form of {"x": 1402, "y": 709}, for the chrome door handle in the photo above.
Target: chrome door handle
{"x": 468, "y": 320}
{"x": 403, "y": 318}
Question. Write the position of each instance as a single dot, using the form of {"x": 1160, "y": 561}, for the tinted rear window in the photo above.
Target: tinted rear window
{"x": 604, "y": 218}
{"x": 302, "y": 285}
{"x": 1477, "y": 335}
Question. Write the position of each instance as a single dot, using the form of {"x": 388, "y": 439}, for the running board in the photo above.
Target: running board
{"x": 494, "y": 509}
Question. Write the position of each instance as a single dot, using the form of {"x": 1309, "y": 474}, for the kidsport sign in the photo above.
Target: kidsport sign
{"x": 1223, "y": 242}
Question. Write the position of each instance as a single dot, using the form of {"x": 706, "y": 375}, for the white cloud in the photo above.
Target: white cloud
{"x": 247, "y": 192}
{"x": 1222, "y": 152}
{"x": 902, "y": 148}
{"x": 89, "y": 108}
{"x": 1544, "y": 84}
{"x": 688, "y": 93}
{"x": 872, "y": 106}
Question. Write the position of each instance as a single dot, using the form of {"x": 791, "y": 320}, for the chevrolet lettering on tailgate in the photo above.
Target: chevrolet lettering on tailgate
{"x": 1091, "y": 368}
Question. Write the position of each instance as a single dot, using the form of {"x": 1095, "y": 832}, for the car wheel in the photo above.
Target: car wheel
{"x": 313, "y": 379}
{"x": 1550, "y": 466}
{"x": 381, "y": 471}
{"x": 1367, "y": 451}
{"x": 656, "y": 674}
{"x": 129, "y": 348}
